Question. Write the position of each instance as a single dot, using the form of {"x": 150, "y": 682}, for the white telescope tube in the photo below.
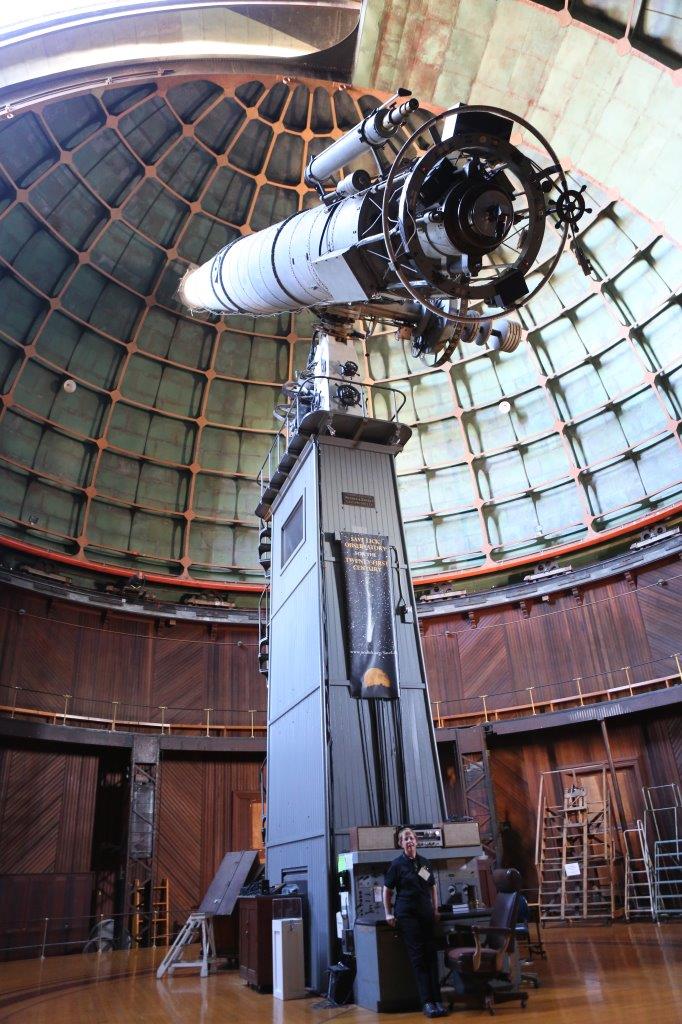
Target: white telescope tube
{"x": 298, "y": 262}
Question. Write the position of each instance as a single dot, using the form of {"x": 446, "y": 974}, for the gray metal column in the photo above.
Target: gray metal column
{"x": 477, "y": 789}
{"x": 141, "y": 836}
{"x": 335, "y": 761}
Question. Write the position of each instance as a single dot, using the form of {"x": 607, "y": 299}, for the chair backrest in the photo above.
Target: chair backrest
{"x": 505, "y": 910}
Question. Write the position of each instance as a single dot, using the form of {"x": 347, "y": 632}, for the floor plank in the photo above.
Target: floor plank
{"x": 625, "y": 973}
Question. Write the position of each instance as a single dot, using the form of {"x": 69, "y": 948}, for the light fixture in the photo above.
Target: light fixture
{"x": 504, "y": 407}
{"x": 69, "y": 385}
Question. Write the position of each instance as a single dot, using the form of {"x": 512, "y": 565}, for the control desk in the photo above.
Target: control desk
{"x": 451, "y": 849}
{"x": 384, "y": 979}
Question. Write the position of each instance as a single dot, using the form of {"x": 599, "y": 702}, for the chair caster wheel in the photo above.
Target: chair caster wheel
{"x": 523, "y": 1002}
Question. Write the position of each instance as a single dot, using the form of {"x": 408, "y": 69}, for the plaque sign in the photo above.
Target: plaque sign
{"x": 360, "y": 500}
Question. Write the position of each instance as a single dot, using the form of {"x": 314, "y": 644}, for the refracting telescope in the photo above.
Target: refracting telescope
{"x": 440, "y": 240}
{"x": 443, "y": 240}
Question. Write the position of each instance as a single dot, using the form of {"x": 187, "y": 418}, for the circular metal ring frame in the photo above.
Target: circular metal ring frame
{"x": 469, "y": 141}
{"x": 471, "y": 144}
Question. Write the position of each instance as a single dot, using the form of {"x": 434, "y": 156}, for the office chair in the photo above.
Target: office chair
{"x": 485, "y": 967}
{"x": 523, "y": 938}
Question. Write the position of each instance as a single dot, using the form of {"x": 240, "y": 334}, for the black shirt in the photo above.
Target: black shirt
{"x": 413, "y": 893}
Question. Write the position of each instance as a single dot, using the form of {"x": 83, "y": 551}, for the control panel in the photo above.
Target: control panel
{"x": 429, "y": 837}
{"x": 385, "y": 837}
{"x": 361, "y": 872}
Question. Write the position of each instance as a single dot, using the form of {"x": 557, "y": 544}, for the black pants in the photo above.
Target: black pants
{"x": 418, "y": 935}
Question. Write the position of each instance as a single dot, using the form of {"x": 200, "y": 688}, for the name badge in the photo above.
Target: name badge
{"x": 424, "y": 873}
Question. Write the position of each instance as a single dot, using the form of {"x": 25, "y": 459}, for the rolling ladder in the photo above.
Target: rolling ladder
{"x": 639, "y": 874}
{"x": 663, "y": 815}
{"x": 574, "y": 856}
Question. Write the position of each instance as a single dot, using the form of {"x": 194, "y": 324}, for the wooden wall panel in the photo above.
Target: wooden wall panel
{"x": 442, "y": 658}
{"x": 38, "y": 652}
{"x": 61, "y": 826}
{"x": 112, "y": 664}
{"x": 180, "y": 671}
{"x": 180, "y": 833}
{"x": 548, "y": 644}
{"x": 25, "y": 902}
{"x": 484, "y": 658}
{"x": 659, "y": 594}
{"x": 49, "y": 811}
{"x": 534, "y": 659}
{"x": 46, "y": 653}
{"x": 613, "y": 633}
{"x": 663, "y": 749}
{"x": 196, "y": 822}
{"x": 141, "y": 663}
{"x": 47, "y": 806}
{"x": 195, "y": 670}
{"x": 463, "y": 662}
{"x": 234, "y": 681}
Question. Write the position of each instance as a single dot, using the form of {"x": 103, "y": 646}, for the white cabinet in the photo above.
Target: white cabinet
{"x": 288, "y": 959}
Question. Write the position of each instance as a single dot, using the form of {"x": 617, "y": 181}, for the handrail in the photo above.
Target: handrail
{"x": 165, "y": 727}
{"x": 292, "y": 414}
{"x": 46, "y": 931}
{"x": 550, "y": 704}
{"x": 113, "y": 724}
{"x": 536, "y": 706}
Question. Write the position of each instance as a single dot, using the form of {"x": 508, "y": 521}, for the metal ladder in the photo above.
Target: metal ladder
{"x": 263, "y": 633}
{"x": 265, "y": 559}
{"x": 639, "y": 874}
{"x": 668, "y": 877}
{"x": 663, "y": 817}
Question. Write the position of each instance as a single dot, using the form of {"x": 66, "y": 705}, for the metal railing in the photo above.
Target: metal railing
{"x": 59, "y": 708}
{"x": 43, "y": 936}
{"x": 301, "y": 402}
{"x": 121, "y": 715}
{"x": 300, "y": 399}
{"x": 88, "y": 933}
{"x": 542, "y": 698}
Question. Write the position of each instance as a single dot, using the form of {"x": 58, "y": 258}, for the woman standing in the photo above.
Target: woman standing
{"x": 415, "y": 912}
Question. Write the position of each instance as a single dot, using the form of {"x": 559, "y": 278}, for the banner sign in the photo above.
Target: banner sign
{"x": 371, "y": 642}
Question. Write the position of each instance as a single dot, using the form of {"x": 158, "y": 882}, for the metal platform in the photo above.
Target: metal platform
{"x": 285, "y": 451}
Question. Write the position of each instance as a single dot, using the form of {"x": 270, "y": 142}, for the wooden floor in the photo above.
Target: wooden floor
{"x": 625, "y": 974}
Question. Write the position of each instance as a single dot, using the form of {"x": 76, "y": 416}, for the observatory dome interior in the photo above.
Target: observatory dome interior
{"x": 131, "y": 432}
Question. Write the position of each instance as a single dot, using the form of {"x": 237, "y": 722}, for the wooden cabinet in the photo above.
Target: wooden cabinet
{"x": 255, "y": 941}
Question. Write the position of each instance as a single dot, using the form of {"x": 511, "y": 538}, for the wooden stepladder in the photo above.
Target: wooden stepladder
{"x": 161, "y": 913}
{"x": 197, "y": 929}
{"x": 575, "y": 847}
